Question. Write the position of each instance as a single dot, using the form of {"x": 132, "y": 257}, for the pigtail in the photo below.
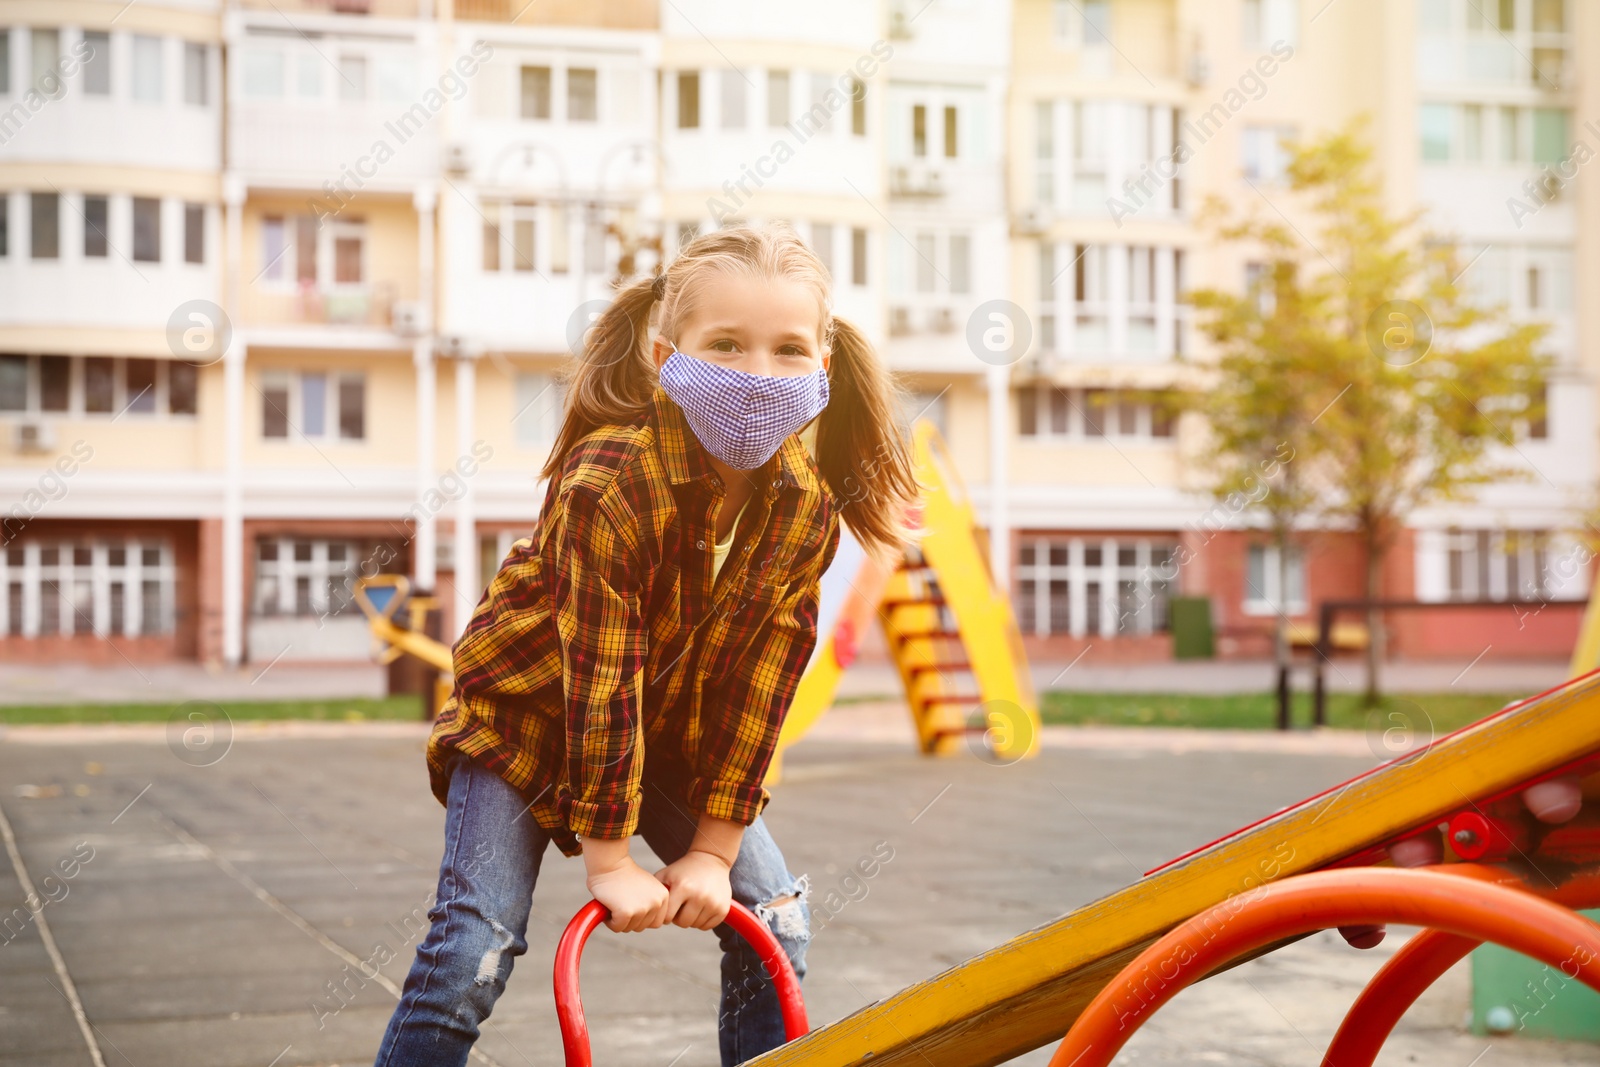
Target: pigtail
{"x": 862, "y": 453}
{"x": 615, "y": 378}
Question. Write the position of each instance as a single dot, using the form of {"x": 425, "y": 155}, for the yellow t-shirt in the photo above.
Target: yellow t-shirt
{"x": 720, "y": 549}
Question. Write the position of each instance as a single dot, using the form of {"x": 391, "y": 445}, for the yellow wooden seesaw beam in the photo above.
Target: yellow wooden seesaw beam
{"x": 1027, "y": 992}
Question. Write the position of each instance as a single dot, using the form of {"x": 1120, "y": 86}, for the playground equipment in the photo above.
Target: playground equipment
{"x": 569, "y": 951}
{"x": 949, "y": 628}
{"x": 380, "y": 598}
{"x": 1491, "y": 833}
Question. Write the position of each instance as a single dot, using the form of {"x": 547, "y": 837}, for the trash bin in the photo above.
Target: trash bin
{"x": 1191, "y": 628}
{"x": 1512, "y": 994}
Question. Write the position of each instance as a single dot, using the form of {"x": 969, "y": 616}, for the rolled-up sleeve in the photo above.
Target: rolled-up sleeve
{"x": 741, "y": 734}
{"x": 595, "y": 583}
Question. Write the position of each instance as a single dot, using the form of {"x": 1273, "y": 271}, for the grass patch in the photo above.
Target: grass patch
{"x": 1443, "y": 712}
{"x": 353, "y": 709}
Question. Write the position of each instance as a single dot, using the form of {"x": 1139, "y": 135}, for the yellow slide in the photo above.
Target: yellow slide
{"x": 949, "y": 629}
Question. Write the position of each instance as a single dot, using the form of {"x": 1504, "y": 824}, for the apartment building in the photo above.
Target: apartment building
{"x": 274, "y": 323}
{"x": 1466, "y": 108}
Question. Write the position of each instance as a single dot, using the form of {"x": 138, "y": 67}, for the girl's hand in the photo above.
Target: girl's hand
{"x": 637, "y": 901}
{"x": 699, "y": 894}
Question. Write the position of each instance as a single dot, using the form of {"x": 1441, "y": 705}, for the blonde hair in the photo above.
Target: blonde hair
{"x": 862, "y": 453}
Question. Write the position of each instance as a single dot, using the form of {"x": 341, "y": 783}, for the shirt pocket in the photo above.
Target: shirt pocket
{"x": 743, "y": 617}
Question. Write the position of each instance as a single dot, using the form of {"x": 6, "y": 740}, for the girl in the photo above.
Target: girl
{"x": 629, "y": 667}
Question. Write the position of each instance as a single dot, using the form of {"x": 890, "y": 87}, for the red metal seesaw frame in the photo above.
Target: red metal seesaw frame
{"x": 1422, "y": 961}
{"x": 569, "y": 1006}
{"x": 1469, "y": 909}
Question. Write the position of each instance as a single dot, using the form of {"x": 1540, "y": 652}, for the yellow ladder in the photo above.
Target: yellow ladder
{"x": 949, "y": 629}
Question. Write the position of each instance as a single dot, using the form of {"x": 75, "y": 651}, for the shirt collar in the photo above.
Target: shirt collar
{"x": 686, "y": 458}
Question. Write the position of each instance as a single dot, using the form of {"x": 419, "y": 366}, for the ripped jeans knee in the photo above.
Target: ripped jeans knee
{"x": 787, "y": 914}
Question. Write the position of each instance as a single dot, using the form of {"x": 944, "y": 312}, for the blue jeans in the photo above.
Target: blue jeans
{"x": 491, "y": 861}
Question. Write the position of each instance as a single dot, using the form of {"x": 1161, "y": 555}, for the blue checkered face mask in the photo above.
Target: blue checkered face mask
{"x": 740, "y": 418}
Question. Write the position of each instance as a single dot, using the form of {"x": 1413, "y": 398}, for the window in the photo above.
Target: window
{"x": 582, "y": 94}
{"x": 919, "y": 130}
{"x": 96, "y": 66}
{"x": 538, "y": 400}
{"x": 688, "y": 100}
{"x": 1053, "y": 411}
{"x": 349, "y": 253}
{"x": 109, "y": 385}
{"x": 819, "y": 114}
{"x": 313, "y": 578}
{"x": 147, "y": 69}
{"x": 1549, "y": 135}
{"x": 535, "y": 92}
{"x": 1265, "y": 22}
{"x": 5, "y": 213}
{"x": 1258, "y": 281}
{"x": 1497, "y": 564}
{"x": 508, "y": 236}
{"x": 777, "y": 98}
{"x": 46, "y": 229}
{"x": 560, "y": 239}
{"x": 262, "y": 75}
{"x": 1433, "y": 125}
{"x": 194, "y": 74}
{"x": 99, "y": 385}
{"x": 1472, "y": 133}
{"x": 950, "y": 133}
{"x": 960, "y": 263}
{"x": 13, "y": 383}
{"x": 46, "y": 49}
{"x": 352, "y": 77}
{"x": 858, "y": 107}
{"x": 194, "y": 233}
{"x": 1044, "y": 150}
{"x": 1265, "y": 159}
{"x": 94, "y": 227}
{"x": 352, "y": 406}
{"x": 1080, "y": 23}
{"x": 1263, "y": 593}
{"x": 146, "y": 229}
{"x": 299, "y": 401}
{"x": 100, "y": 588}
{"x": 55, "y": 383}
{"x": 274, "y": 249}
{"x": 140, "y": 385}
{"x": 858, "y": 256}
{"x": 1093, "y": 586}
{"x": 1539, "y": 401}
{"x": 5, "y": 62}
{"x": 822, "y": 243}
{"x": 1089, "y": 153}
{"x": 183, "y": 388}
{"x": 733, "y": 99}
{"x": 924, "y": 262}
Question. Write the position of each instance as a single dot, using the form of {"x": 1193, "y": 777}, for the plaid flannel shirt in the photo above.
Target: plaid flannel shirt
{"x": 602, "y": 636}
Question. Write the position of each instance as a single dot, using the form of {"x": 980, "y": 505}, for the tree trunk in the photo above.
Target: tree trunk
{"x": 1281, "y": 639}
{"x": 1374, "y": 622}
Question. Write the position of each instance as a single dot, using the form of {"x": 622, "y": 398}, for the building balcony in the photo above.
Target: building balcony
{"x": 386, "y": 9}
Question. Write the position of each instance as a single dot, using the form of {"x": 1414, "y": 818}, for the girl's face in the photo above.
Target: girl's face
{"x": 756, "y": 325}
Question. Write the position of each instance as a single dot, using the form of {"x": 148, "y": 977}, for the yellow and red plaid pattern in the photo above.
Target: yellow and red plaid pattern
{"x": 602, "y": 637}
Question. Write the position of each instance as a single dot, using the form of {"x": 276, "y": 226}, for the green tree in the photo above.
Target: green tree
{"x": 1364, "y": 350}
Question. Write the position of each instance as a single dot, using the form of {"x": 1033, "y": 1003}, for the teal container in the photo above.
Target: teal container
{"x": 1513, "y": 994}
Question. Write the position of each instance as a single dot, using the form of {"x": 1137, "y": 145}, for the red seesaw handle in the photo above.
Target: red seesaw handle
{"x": 569, "y": 1006}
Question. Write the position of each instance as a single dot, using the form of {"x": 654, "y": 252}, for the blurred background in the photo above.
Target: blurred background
{"x": 290, "y": 287}
{"x": 1253, "y": 330}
